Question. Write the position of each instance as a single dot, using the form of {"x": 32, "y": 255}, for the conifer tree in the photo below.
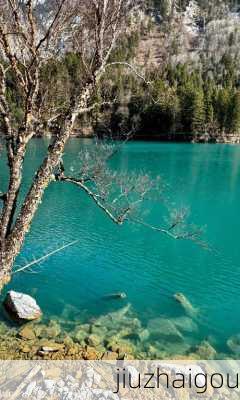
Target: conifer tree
{"x": 198, "y": 111}
{"x": 234, "y": 123}
{"x": 209, "y": 103}
{"x": 223, "y": 104}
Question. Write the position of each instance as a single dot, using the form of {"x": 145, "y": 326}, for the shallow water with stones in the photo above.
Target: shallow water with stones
{"x": 150, "y": 268}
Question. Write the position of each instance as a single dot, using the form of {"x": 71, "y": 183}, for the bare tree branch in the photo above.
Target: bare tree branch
{"x": 131, "y": 67}
{"x": 121, "y": 196}
{"x": 43, "y": 258}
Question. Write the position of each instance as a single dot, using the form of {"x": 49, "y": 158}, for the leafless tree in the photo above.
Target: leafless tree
{"x": 32, "y": 33}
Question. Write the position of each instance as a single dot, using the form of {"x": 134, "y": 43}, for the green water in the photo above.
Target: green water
{"x": 149, "y": 267}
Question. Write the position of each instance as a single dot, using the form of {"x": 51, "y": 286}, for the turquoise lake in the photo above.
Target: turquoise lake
{"x": 149, "y": 267}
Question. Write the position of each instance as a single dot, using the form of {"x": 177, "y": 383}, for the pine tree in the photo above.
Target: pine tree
{"x": 209, "y": 102}
{"x": 186, "y": 95}
{"x": 209, "y": 112}
{"x": 198, "y": 111}
{"x": 234, "y": 114}
{"x": 223, "y": 105}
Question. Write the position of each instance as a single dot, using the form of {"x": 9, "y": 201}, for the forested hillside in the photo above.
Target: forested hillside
{"x": 187, "y": 56}
{"x": 190, "y": 53}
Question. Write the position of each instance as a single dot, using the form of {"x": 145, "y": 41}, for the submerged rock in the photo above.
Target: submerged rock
{"x": 110, "y": 355}
{"x": 50, "y": 347}
{"x": 125, "y": 347}
{"x": 80, "y": 336}
{"x": 68, "y": 341}
{"x": 206, "y": 351}
{"x": 152, "y": 351}
{"x": 98, "y": 330}
{"x": 26, "y": 349}
{"x": 27, "y": 333}
{"x": 3, "y": 328}
{"x": 112, "y": 345}
{"x": 234, "y": 343}
{"x": 185, "y": 324}
{"x": 117, "y": 315}
{"x": 93, "y": 340}
{"x": 90, "y": 353}
{"x": 165, "y": 328}
{"x": 115, "y": 320}
{"x": 185, "y": 303}
{"x": 51, "y": 331}
{"x": 73, "y": 350}
{"x": 22, "y": 306}
{"x": 121, "y": 346}
{"x": 143, "y": 334}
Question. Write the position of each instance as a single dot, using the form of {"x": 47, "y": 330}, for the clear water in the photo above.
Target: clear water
{"x": 149, "y": 267}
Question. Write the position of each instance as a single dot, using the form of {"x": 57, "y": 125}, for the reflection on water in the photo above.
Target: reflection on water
{"x": 148, "y": 267}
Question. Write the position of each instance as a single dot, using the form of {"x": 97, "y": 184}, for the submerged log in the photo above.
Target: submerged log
{"x": 116, "y": 296}
{"x": 185, "y": 303}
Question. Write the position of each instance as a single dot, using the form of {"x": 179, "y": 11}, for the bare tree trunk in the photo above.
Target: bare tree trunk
{"x": 12, "y": 192}
{"x": 5, "y": 264}
{"x": 9, "y": 207}
{"x": 12, "y": 244}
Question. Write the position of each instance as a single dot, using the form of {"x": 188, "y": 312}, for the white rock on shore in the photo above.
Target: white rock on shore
{"x": 22, "y": 306}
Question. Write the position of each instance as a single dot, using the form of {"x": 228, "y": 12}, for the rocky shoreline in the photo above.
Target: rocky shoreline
{"x": 168, "y": 137}
{"x": 117, "y": 335}
{"x": 126, "y": 339}
{"x": 49, "y": 342}
{"x": 42, "y": 342}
